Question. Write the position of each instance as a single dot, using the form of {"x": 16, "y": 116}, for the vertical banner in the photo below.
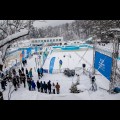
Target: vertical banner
{"x": 51, "y": 65}
{"x": 103, "y": 64}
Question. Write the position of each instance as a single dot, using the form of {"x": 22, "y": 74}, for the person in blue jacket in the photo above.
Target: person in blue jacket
{"x": 30, "y": 73}
{"x": 60, "y": 64}
{"x": 33, "y": 85}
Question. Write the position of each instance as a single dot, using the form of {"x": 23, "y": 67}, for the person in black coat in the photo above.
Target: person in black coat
{"x": 38, "y": 85}
{"x": 14, "y": 72}
{"x": 26, "y": 71}
{"x": 45, "y": 87}
{"x": 25, "y": 62}
{"x": 22, "y": 69}
{"x": 18, "y": 81}
{"x": 41, "y": 86}
{"x": 49, "y": 87}
{"x": 20, "y": 72}
{"x": 1, "y": 96}
{"x": 24, "y": 79}
{"x": 29, "y": 83}
{"x": 38, "y": 71}
{"x": 15, "y": 83}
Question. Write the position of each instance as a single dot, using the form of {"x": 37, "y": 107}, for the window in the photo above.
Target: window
{"x": 53, "y": 40}
{"x": 59, "y": 39}
{"x": 41, "y": 40}
{"x": 47, "y": 40}
{"x": 44, "y": 40}
{"x": 50, "y": 40}
{"x": 56, "y": 39}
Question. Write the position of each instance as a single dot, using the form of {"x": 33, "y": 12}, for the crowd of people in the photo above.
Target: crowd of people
{"x": 23, "y": 76}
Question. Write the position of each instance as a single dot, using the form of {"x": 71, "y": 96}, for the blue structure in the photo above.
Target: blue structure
{"x": 28, "y": 52}
{"x": 103, "y": 64}
{"x": 51, "y": 65}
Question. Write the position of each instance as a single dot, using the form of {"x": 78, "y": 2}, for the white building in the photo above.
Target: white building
{"x": 41, "y": 41}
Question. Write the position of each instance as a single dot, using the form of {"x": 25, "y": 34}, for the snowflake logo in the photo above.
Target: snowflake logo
{"x": 101, "y": 65}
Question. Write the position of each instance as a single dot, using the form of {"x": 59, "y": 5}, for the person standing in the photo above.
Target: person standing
{"x": 53, "y": 88}
{"x": 22, "y": 69}
{"x": 26, "y": 71}
{"x": 29, "y": 83}
{"x": 33, "y": 85}
{"x": 60, "y": 65}
{"x": 45, "y": 87}
{"x": 24, "y": 79}
{"x": 78, "y": 79}
{"x": 20, "y": 72}
{"x": 15, "y": 83}
{"x": 38, "y": 86}
{"x": 30, "y": 73}
{"x": 49, "y": 87}
{"x": 57, "y": 88}
{"x": 25, "y": 62}
{"x": 84, "y": 66}
{"x": 38, "y": 71}
{"x": 41, "y": 86}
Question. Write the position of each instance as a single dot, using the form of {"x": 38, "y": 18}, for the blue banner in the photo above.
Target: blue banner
{"x": 103, "y": 64}
{"x": 28, "y": 52}
{"x": 51, "y": 65}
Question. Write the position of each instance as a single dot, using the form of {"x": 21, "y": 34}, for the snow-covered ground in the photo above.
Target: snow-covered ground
{"x": 65, "y": 82}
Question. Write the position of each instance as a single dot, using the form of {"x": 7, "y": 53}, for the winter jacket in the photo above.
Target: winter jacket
{"x": 41, "y": 84}
{"x": 41, "y": 70}
{"x": 22, "y": 69}
{"x": 26, "y": 71}
{"x": 57, "y": 87}
{"x": 30, "y": 73}
{"x": 38, "y": 85}
{"x": 49, "y": 85}
{"x": 33, "y": 84}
